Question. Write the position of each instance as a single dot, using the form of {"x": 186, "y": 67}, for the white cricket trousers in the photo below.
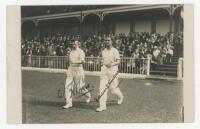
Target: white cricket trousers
{"x": 74, "y": 82}
{"x": 106, "y": 75}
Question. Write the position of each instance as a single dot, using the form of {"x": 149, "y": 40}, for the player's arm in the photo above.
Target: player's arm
{"x": 113, "y": 64}
{"x": 117, "y": 60}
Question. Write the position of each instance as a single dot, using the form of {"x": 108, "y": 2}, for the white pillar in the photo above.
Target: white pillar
{"x": 180, "y": 69}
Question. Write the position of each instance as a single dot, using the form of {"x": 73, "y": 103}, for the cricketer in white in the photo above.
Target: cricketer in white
{"x": 75, "y": 75}
{"x": 110, "y": 62}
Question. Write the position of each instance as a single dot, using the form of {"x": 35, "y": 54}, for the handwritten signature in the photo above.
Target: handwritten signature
{"x": 79, "y": 92}
{"x": 75, "y": 90}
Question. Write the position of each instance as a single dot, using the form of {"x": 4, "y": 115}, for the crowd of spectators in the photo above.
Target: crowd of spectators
{"x": 159, "y": 47}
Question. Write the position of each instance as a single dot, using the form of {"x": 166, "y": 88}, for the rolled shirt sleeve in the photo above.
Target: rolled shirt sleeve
{"x": 82, "y": 56}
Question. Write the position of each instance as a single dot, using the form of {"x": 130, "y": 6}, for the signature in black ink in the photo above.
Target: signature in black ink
{"x": 75, "y": 91}
{"x": 107, "y": 86}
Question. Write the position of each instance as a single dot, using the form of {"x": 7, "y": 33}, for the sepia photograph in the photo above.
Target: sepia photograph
{"x": 102, "y": 63}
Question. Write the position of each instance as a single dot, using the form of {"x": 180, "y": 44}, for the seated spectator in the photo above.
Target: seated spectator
{"x": 156, "y": 53}
{"x": 128, "y": 46}
{"x": 163, "y": 55}
{"x": 169, "y": 54}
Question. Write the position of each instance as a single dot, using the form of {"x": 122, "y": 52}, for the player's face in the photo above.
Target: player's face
{"x": 108, "y": 42}
{"x": 74, "y": 45}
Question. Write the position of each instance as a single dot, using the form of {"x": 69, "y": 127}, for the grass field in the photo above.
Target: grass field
{"x": 146, "y": 100}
